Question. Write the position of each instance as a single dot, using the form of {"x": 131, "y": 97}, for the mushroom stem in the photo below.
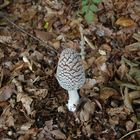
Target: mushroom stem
{"x": 73, "y": 100}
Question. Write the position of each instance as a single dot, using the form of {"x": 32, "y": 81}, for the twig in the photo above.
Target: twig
{"x": 82, "y": 43}
{"x": 89, "y": 43}
{"x": 22, "y": 30}
{"x": 134, "y": 131}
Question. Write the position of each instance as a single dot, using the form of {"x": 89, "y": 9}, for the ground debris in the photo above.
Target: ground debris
{"x": 33, "y": 105}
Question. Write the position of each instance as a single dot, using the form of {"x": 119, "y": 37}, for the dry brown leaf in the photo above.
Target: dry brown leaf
{"x": 48, "y": 125}
{"x": 136, "y": 101}
{"x": 5, "y": 39}
{"x": 85, "y": 64}
{"x": 24, "y": 137}
{"x": 10, "y": 121}
{"x": 103, "y": 31}
{"x": 122, "y": 70}
{"x": 53, "y": 4}
{"x": 4, "y": 104}
{"x": 100, "y": 60}
{"x": 38, "y": 93}
{"x": 102, "y": 52}
{"x": 106, "y": 47}
{"x": 58, "y": 134}
{"x": 27, "y": 125}
{"x": 29, "y": 14}
{"x": 87, "y": 111}
{"x": 18, "y": 85}
{"x": 36, "y": 55}
{"x": 61, "y": 109}
{"x": 1, "y": 53}
{"x": 56, "y": 44}
{"x": 103, "y": 67}
{"x": 26, "y": 101}
{"x": 133, "y": 47}
{"x": 89, "y": 130}
{"x": 118, "y": 111}
{"x": 136, "y": 36}
{"x": 114, "y": 120}
{"x": 18, "y": 66}
{"x": 125, "y": 22}
{"x": 129, "y": 125}
{"x": 73, "y": 45}
{"x": 89, "y": 83}
{"x": 90, "y": 61}
{"x": 127, "y": 100}
{"x": 6, "y": 92}
{"x": 45, "y": 36}
{"x": 134, "y": 95}
{"x": 107, "y": 92}
{"x": 101, "y": 64}
{"x": 6, "y": 118}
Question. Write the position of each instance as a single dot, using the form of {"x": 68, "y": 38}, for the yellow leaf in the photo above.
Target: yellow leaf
{"x": 46, "y": 25}
{"x": 125, "y": 22}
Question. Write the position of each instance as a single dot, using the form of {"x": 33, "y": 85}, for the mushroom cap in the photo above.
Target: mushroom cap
{"x": 70, "y": 71}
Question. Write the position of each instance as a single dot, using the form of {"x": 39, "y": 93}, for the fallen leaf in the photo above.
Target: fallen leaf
{"x": 90, "y": 83}
{"x": 58, "y": 134}
{"x": 29, "y": 14}
{"x": 10, "y": 121}
{"x": 102, "y": 52}
{"x": 6, "y": 92}
{"x": 107, "y": 92}
{"x": 125, "y": 22}
{"x": 4, "y": 4}
{"x": 87, "y": 111}
{"x": 122, "y": 112}
{"x": 122, "y": 70}
{"x": 45, "y": 36}
{"x": 26, "y": 126}
{"x": 129, "y": 125}
{"x": 135, "y": 73}
{"x": 5, "y": 39}
{"x": 24, "y": 137}
{"x": 89, "y": 130}
{"x": 55, "y": 43}
{"x": 6, "y": 118}
{"x": 106, "y": 47}
{"x": 48, "y": 125}
{"x": 61, "y": 109}
{"x": 46, "y": 25}
{"x": 134, "y": 95}
{"x": 26, "y": 101}
{"x": 136, "y": 36}
{"x": 133, "y": 47}
{"x": 127, "y": 101}
{"x": 114, "y": 120}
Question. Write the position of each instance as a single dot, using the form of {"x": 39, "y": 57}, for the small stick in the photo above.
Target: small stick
{"x": 134, "y": 131}
{"x": 82, "y": 43}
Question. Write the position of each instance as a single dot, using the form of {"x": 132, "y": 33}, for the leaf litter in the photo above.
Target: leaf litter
{"x": 33, "y": 105}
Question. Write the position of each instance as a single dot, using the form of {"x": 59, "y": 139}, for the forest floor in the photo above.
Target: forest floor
{"x": 33, "y": 33}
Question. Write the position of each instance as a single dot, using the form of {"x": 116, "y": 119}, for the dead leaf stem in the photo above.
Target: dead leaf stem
{"x": 131, "y": 132}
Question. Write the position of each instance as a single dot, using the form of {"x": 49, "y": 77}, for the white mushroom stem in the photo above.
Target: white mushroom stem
{"x": 73, "y": 100}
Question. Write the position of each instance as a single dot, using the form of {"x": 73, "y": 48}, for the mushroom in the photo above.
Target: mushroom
{"x": 70, "y": 75}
